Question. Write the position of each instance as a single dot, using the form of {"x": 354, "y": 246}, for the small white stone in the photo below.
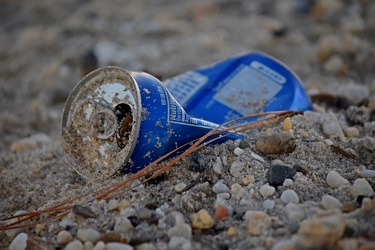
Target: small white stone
{"x": 179, "y": 243}
{"x": 295, "y": 212}
{"x": 246, "y": 200}
{"x": 217, "y": 166}
{"x": 367, "y": 173}
{"x": 236, "y": 168}
{"x": 329, "y": 142}
{"x": 180, "y": 230}
{"x": 238, "y": 151}
{"x": 123, "y": 225}
{"x": 117, "y": 246}
{"x": 88, "y": 245}
{"x": 288, "y": 182}
{"x": 289, "y": 196}
{"x": 335, "y": 180}
{"x": 13, "y": 232}
{"x": 179, "y": 186}
{"x": 257, "y": 157}
{"x": 89, "y": 234}
{"x": 268, "y": 204}
{"x": 224, "y": 196}
{"x": 369, "y": 143}
{"x": 112, "y": 204}
{"x": 362, "y": 187}
{"x": 146, "y": 246}
{"x": 74, "y": 245}
{"x": 220, "y": 187}
{"x": 330, "y": 202}
{"x": 237, "y": 191}
{"x": 63, "y": 237}
{"x": 19, "y": 242}
{"x": 100, "y": 245}
{"x": 266, "y": 190}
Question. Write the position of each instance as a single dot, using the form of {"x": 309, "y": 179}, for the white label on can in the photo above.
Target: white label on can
{"x": 249, "y": 89}
{"x": 184, "y": 86}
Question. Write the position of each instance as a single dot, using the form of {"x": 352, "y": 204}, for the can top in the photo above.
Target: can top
{"x": 101, "y": 122}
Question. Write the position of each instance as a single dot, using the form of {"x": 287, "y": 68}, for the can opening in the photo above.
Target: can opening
{"x": 125, "y": 120}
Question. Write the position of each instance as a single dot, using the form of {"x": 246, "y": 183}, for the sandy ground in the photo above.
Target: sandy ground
{"x": 329, "y": 44}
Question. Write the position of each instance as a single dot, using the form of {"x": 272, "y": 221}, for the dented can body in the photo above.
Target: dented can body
{"x": 244, "y": 84}
{"x": 115, "y": 120}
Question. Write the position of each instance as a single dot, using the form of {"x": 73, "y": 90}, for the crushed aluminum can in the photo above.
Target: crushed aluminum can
{"x": 245, "y": 84}
{"x": 120, "y": 121}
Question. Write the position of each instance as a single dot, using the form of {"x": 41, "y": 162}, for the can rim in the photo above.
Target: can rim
{"x": 103, "y": 75}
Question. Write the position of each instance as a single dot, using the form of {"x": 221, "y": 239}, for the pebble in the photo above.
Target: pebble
{"x": 334, "y": 64}
{"x": 335, "y": 180}
{"x": 277, "y": 174}
{"x": 179, "y": 243}
{"x": 110, "y": 237}
{"x": 123, "y": 204}
{"x": 266, "y": 190}
{"x": 221, "y": 212}
{"x": 236, "y": 168}
{"x": 367, "y": 173}
{"x": 217, "y": 166}
{"x": 351, "y": 132}
{"x": 238, "y": 151}
{"x": 220, "y": 187}
{"x": 361, "y": 187}
{"x": 13, "y": 232}
{"x": 268, "y": 204}
{"x": 89, "y": 234}
{"x": 223, "y": 196}
{"x": 180, "y": 230}
{"x": 248, "y": 179}
{"x": 258, "y": 222}
{"x": 74, "y": 245}
{"x": 19, "y": 242}
{"x": 144, "y": 213}
{"x": 179, "y": 187}
{"x": 330, "y": 202}
{"x": 289, "y": 196}
{"x": 295, "y": 212}
{"x": 88, "y": 245}
{"x": 288, "y": 183}
{"x": 321, "y": 232}
{"x": 329, "y": 122}
{"x": 355, "y": 93}
{"x": 63, "y": 237}
{"x": 276, "y": 143}
{"x": 237, "y": 191}
{"x": 369, "y": 143}
{"x": 146, "y": 246}
{"x": 202, "y": 220}
{"x": 112, "y": 204}
{"x": 123, "y": 225}
{"x": 246, "y": 200}
{"x": 231, "y": 232}
{"x": 117, "y": 246}
{"x": 287, "y": 124}
{"x": 257, "y": 157}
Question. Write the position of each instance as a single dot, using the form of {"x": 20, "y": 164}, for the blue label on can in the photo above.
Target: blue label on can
{"x": 242, "y": 85}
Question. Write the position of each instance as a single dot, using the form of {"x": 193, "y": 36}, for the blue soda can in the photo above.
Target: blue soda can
{"x": 120, "y": 121}
{"x": 244, "y": 84}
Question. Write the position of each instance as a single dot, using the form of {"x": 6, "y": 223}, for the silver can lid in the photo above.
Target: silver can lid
{"x": 101, "y": 121}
